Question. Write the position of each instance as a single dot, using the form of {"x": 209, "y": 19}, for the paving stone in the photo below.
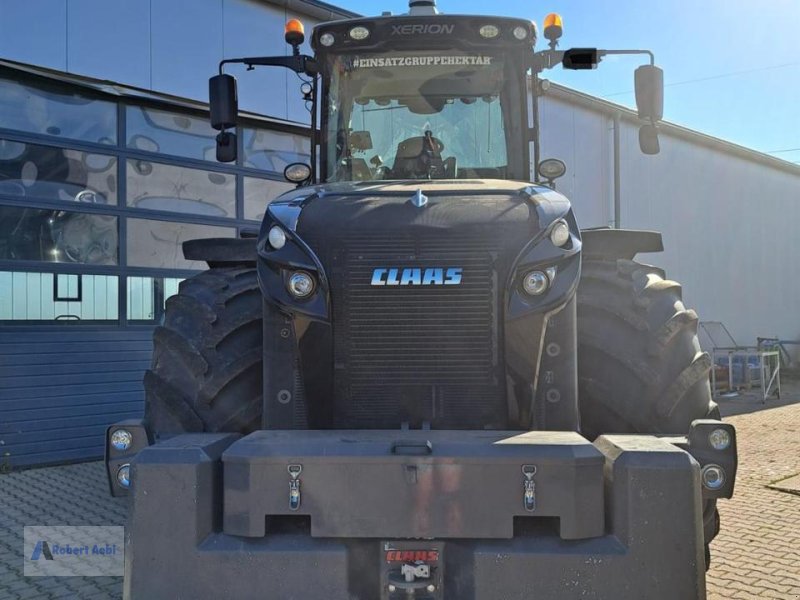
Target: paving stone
{"x": 756, "y": 552}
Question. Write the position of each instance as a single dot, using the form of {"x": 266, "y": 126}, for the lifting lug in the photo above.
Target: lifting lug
{"x": 294, "y": 486}
{"x": 529, "y": 497}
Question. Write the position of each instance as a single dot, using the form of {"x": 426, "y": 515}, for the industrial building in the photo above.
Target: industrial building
{"x": 107, "y": 165}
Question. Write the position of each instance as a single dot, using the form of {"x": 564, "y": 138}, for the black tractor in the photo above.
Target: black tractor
{"x": 422, "y": 379}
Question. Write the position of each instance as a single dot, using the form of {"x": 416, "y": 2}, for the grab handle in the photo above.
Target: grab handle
{"x": 412, "y": 448}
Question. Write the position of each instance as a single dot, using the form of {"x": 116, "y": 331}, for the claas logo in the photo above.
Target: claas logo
{"x": 412, "y": 555}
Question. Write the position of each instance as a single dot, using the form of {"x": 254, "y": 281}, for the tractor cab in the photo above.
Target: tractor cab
{"x": 424, "y": 97}
{"x": 427, "y": 96}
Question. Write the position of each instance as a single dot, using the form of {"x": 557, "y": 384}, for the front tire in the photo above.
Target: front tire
{"x": 640, "y": 366}
{"x": 206, "y": 372}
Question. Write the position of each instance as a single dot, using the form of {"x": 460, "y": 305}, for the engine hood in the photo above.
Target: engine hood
{"x": 376, "y": 206}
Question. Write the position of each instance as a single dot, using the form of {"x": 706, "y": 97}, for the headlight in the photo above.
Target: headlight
{"x": 327, "y": 39}
{"x": 277, "y": 238}
{"x": 121, "y": 439}
{"x": 301, "y": 284}
{"x": 719, "y": 439}
{"x": 535, "y": 283}
{"x": 124, "y": 475}
{"x": 559, "y": 235}
{"x": 520, "y": 32}
{"x": 359, "y": 33}
{"x": 489, "y": 31}
{"x": 713, "y": 477}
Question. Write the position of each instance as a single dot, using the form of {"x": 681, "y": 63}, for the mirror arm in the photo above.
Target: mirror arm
{"x": 299, "y": 64}
{"x": 601, "y": 53}
{"x": 546, "y": 59}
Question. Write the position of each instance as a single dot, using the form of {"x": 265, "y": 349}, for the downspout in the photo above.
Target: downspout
{"x": 617, "y": 191}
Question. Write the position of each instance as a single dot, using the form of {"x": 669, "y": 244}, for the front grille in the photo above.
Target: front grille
{"x": 415, "y": 353}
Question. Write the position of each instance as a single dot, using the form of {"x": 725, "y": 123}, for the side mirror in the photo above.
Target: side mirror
{"x": 226, "y": 147}
{"x": 649, "y": 81}
{"x": 648, "y": 139}
{"x": 223, "y": 101}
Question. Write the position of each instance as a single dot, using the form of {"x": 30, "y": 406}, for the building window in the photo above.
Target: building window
{"x": 73, "y": 180}
{"x": 258, "y": 193}
{"x": 157, "y": 244}
{"x": 34, "y": 171}
{"x": 67, "y": 288}
{"x": 147, "y": 296}
{"x": 48, "y": 109}
{"x": 58, "y": 297}
{"x": 267, "y": 150}
{"x": 155, "y": 186}
{"x": 154, "y": 130}
{"x": 57, "y": 236}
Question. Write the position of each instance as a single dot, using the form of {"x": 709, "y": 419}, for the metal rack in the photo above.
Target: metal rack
{"x": 725, "y": 349}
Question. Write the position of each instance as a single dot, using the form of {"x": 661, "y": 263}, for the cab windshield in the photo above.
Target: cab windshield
{"x": 424, "y": 115}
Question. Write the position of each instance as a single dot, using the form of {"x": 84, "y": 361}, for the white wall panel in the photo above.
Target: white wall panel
{"x": 580, "y": 138}
{"x": 730, "y": 229}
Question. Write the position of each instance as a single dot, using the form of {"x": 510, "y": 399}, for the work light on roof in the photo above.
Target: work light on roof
{"x": 489, "y": 31}
{"x": 327, "y": 39}
{"x": 359, "y": 33}
{"x": 520, "y": 32}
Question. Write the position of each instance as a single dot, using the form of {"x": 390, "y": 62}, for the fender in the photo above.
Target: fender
{"x": 222, "y": 252}
{"x": 619, "y": 243}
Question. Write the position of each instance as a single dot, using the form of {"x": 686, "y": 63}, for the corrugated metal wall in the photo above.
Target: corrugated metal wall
{"x": 729, "y": 216}
{"x": 60, "y": 389}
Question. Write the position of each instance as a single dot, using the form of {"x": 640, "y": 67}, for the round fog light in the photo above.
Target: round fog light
{"x": 713, "y": 477}
{"x": 326, "y": 39}
{"x": 276, "y": 238}
{"x": 520, "y": 32}
{"x": 719, "y": 439}
{"x": 535, "y": 283}
{"x": 489, "y": 31}
{"x": 559, "y": 235}
{"x": 121, "y": 439}
{"x": 301, "y": 284}
{"x": 124, "y": 475}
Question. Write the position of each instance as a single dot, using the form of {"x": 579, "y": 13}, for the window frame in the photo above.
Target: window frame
{"x": 122, "y": 153}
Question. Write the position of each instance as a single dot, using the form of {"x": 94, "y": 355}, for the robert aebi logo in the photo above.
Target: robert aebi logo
{"x": 417, "y": 276}
{"x": 48, "y": 551}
